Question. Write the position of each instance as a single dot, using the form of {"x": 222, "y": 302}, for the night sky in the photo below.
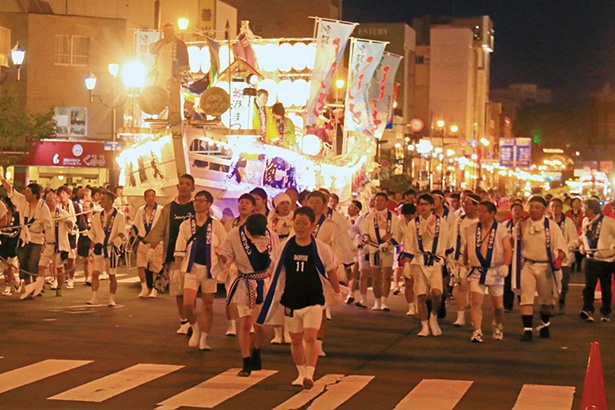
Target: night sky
{"x": 567, "y": 46}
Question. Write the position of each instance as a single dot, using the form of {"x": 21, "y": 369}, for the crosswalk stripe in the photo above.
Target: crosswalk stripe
{"x": 330, "y": 391}
{"x": 435, "y": 394}
{"x": 216, "y": 390}
{"x": 541, "y": 397}
{"x": 37, "y": 371}
{"x": 109, "y": 386}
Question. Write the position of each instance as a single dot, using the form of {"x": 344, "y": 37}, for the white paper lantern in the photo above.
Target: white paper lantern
{"x": 311, "y": 55}
{"x": 194, "y": 59}
{"x": 224, "y": 57}
{"x": 300, "y": 56}
{"x": 311, "y": 144}
{"x": 270, "y": 58}
{"x": 285, "y": 92}
{"x": 205, "y": 60}
{"x": 285, "y": 57}
{"x": 300, "y": 93}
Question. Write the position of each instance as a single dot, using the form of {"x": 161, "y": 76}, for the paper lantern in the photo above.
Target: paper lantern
{"x": 300, "y": 56}
{"x": 194, "y": 58}
{"x": 205, "y": 60}
{"x": 311, "y": 144}
{"x": 300, "y": 93}
{"x": 311, "y": 55}
{"x": 285, "y": 57}
{"x": 270, "y": 58}
{"x": 285, "y": 92}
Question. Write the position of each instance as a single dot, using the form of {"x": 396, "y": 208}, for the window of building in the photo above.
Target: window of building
{"x": 72, "y": 50}
{"x": 71, "y": 121}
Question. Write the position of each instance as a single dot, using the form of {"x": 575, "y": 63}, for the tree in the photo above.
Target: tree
{"x": 19, "y": 129}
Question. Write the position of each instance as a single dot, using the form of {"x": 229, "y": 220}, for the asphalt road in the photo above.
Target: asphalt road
{"x": 58, "y": 353}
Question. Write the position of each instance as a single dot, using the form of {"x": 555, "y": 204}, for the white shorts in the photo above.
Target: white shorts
{"x": 364, "y": 261}
{"x": 243, "y": 309}
{"x": 385, "y": 259}
{"x": 102, "y": 264}
{"x": 309, "y": 317}
{"x": 494, "y": 290}
{"x": 142, "y": 262}
{"x": 198, "y": 278}
{"x": 72, "y": 254}
{"x": 49, "y": 255}
{"x": 176, "y": 282}
{"x": 537, "y": 278}
{"x": 426, "y": 278}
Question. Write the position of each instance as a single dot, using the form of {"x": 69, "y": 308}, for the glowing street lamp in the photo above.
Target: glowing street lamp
{"x": 18, "y": 54}
{"x": 183, "y": 23}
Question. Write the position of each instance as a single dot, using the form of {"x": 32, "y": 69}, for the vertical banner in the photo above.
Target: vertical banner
{"x": 365, "y": 55}
{"x": 240, "y": 114}
{"x": 381, "y": 92}
{"x": 143, "y": 40}
{"x": 207, "y": 15}
{"x": 331, "y": 40}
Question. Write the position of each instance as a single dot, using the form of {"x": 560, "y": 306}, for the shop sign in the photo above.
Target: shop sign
{"x": 81, "y": 154}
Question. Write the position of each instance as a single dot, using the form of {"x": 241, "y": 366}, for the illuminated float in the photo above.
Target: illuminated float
{"x": 226, "y": 156}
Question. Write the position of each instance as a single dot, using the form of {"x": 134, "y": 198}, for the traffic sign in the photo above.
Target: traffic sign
{"x": 516, "y": 152}
{"x": 416, "y": 125}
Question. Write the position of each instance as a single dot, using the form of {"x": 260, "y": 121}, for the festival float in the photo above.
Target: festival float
{"x": 223, "y": 152}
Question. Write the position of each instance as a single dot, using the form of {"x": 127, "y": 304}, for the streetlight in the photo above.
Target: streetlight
{"x": 339, "y": 84}
{"x": 182, "y": 23}
{"x": 18, "y": 54}
{"x": 111, "y": 99}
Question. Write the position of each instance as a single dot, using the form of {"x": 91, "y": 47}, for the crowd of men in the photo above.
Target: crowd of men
{"x": 287, "y": 266}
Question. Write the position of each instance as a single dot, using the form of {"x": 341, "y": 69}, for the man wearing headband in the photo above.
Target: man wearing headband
{"x": 487, "y": 254}
{"x": 454, "y": 261}
{"x": 425, "y": 244}
{"x": 539, "y": 250}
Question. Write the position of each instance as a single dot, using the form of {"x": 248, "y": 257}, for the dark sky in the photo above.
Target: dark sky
{"x": 567, "y": 46}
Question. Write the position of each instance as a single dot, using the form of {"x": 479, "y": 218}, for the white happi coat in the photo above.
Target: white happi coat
{"x": 497, "y": 270}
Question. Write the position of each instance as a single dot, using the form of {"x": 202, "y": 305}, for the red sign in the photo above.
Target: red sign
{"x": 73, "y": 154}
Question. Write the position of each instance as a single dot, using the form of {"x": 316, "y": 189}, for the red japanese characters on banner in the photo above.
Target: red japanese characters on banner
{"x": 74, "y": 154}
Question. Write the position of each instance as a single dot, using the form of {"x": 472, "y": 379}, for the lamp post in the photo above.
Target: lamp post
{"x": 109, "y": 98}
{"x": 18, "y": 54}
{"x": 443, "y": 132}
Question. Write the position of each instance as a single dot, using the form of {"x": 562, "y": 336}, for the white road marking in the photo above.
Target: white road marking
{"x": 37, "y": 371}
{"x": 109, "y": 386}
{"x": 540, "y": 397}
{"x": 435, "y": 394}
{"x": 329, "y": 392}
{"x": 216, "y": 390}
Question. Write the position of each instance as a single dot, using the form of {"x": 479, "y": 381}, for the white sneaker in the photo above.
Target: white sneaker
{"x": 196, "y": 335}
{"x": 144, "y": 292}
{"x": 434, "y": 326}
{"x": 70, "y": 284}
{"x": 153, "y": 293}
{"x": 54, "y": 284}
{"x": 232, "y": 329}
{"x": 111, "y": 303}
{"x": 203, "y": 342}
{"x": 104, "y": 276}
{"x": 298, "y": 381}
{"x": 183, "y": 329}
{"x": 92, "y": 301}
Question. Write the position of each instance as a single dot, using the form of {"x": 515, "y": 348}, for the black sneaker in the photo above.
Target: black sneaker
{"x": 527, "y": 336}
{"x": 350, "y": 300}
{"x": 545, "y": 333}
{"x": 255, "y": 360}
{"x": 247, "y": 368}
{"x": 586, "y": 315}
